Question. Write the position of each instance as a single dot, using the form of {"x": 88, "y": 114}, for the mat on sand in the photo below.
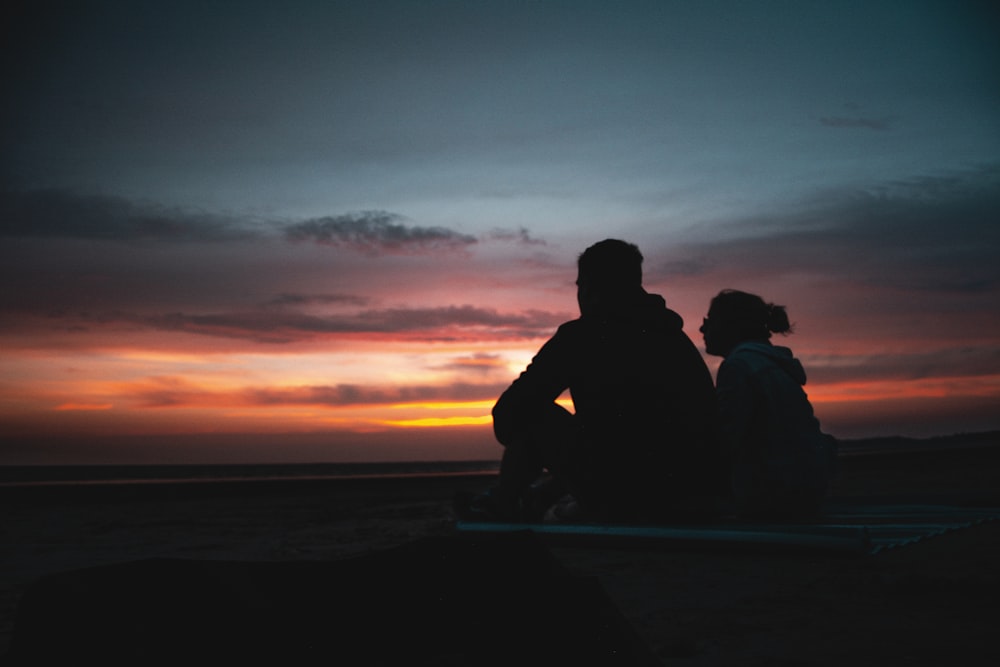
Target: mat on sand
{"x": 848, "y": 529}
{"x": 459, "y": 600}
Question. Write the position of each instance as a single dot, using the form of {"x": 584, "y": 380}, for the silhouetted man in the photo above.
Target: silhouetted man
{"x": 639, "y": 444}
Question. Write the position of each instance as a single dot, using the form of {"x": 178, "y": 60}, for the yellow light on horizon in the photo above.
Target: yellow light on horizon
{"x": 439, "y": 421}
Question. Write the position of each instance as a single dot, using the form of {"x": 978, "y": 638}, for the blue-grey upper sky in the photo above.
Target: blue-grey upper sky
{"x": 286, "y": 172}
{"x": 566, "y": 116}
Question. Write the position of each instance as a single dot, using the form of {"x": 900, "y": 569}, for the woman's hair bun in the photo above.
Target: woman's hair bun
{"x": 777, "y": 319}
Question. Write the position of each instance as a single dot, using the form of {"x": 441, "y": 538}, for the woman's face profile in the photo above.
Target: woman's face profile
{"x": 717, "y": 337}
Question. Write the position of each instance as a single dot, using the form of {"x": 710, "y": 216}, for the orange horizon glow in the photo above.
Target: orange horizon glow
{"x": 881, "y": 390}
{"x": 384, "y": 388}
{"x": 225, "y": 405}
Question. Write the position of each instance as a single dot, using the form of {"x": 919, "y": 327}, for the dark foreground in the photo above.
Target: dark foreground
{"x": 933, "y": 602}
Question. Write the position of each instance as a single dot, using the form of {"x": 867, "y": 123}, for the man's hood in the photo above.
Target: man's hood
{"x": 657, "y": 307}
{"x": 757, "y": 355}
{"x": 643, "y": 308}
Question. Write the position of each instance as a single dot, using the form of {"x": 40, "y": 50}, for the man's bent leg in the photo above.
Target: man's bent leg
{"x": 545, "y": 446}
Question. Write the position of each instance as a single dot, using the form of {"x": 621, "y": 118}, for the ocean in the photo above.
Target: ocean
{"x": 16, "y": 477}
{"x": 74, "y": 475}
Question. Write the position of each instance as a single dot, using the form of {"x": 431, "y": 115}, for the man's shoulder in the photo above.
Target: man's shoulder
{"x": 568, "y": 334}
{"x": 571, "y": 326}
{"x": 566, "y": 338}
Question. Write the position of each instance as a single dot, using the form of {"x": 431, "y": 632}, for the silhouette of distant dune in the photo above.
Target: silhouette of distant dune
{"x": 904, "y": 444}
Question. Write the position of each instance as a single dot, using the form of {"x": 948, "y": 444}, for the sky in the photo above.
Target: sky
{"x": 336, "y": 231}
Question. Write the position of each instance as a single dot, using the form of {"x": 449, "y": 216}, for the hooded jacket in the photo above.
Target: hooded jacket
{"x": 643, "y": 396}
{"x": 768, "y": 429}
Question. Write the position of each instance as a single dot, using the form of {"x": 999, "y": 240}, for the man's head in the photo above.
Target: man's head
{"x": 607, "y": 271}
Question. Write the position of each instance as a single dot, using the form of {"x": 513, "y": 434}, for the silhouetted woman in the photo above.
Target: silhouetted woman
{"x": 780, "y": 461}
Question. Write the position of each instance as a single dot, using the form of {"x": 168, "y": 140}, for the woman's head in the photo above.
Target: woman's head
{"x": 735, "y": 317}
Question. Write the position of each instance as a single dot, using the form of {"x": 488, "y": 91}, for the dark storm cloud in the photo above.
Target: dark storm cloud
{"x": 62, "y": 214}
{"x": 376, "y": 232}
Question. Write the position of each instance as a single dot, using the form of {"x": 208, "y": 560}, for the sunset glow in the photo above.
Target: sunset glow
{"x": 344, "y": 242}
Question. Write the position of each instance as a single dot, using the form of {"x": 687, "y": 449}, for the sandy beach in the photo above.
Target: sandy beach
{"x": 932, "y": 602}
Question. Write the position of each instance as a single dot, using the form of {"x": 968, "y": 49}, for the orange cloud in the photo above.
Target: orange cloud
{"x": 66, "y": 407}
{"x": 896, "y": 390}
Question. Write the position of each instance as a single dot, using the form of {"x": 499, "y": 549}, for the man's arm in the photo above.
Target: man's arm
{"x": 536, "y": 389}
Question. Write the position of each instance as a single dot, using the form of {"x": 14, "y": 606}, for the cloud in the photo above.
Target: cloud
{"x": 268, "y": 326}
{"x": 79, "y": 267}
{"x": 480, "y": 362}
{"x": 350, "y": 394}
{"x": 408, "y": 319}
{"x": 375, "y": 233}
{"x": 933, "y": 234}
{"x": 960, "y": 362}
{"x": 172, "y": 392}
{"x": 879, "y": 124}
{"x": 521, "y": 236}
{"x": 63, "y": 214}
{"x": 293, "y": 299}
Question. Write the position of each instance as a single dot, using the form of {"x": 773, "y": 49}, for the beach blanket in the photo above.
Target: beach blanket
{"x": 462, "y": 600}
{"x": 848, "y": 528}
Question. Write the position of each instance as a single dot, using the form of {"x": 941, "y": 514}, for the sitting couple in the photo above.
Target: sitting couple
{"x": 651, "y": 438}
